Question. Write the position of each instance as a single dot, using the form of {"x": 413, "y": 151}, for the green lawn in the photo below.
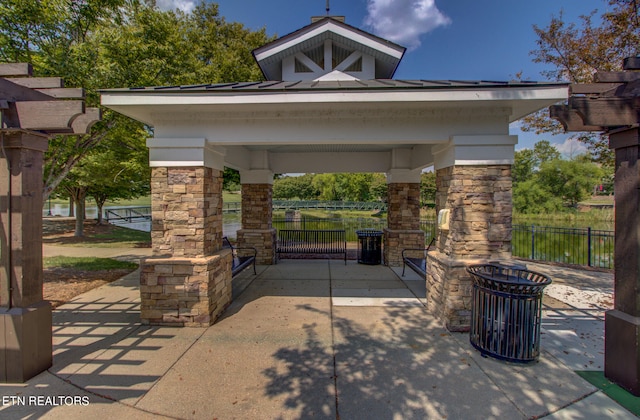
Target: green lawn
{"x": 87, "y": 263}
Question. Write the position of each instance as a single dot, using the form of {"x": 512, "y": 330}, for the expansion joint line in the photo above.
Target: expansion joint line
{"x": 333, "y": 342}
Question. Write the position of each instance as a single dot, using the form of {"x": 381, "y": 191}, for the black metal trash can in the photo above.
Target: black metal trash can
{"x": 506, "y": 312}
{"x": 369, "y": 246}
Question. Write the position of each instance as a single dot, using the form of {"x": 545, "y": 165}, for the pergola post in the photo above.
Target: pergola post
{"x": 477, "y": 194}
{"x": 30, "y": 112}
{"x": 25, "y": 318}
{"x": 257, "y": 226}
{"x": 622, "y": 324}
{"x": 612, "y": 105}
{"x": 187, "y": 281}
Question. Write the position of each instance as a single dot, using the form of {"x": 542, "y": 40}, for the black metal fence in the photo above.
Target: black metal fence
{"x": 590, "y": 247}
{"x": 127, "y": 214}
{"x": 350, "y": 225}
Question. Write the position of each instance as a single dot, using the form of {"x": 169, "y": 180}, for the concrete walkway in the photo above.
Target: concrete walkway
{"x": 314, "y": 339}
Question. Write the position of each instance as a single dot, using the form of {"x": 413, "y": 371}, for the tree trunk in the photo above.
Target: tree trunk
{"x": 71, "y": 208}
{"x": 80, "y": 218}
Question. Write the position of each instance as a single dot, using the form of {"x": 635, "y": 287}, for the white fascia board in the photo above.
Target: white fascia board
{"x": 549, "y": 95}
{"x": 475, "y": 150}
{"x": 262, "y": 176}
{"x": 405, "y": 176}
{"x": 191, "y": 152}
{"x": 329, "y": 26}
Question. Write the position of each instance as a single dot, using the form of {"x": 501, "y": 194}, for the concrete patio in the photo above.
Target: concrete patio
{"x": 317, "y": 339}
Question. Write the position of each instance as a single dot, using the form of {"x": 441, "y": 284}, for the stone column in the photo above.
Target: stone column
{"x": 25, "y": 318}
{"x": 257, "y": 226}
{"x": 187, "y": 282}
{"x": 622, "y": 324}
{"x": 473, "y": 179}
{"x": 403, "y": 216}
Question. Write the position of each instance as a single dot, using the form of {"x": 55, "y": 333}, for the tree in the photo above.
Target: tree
{"x": 99, "y": 44}
{"x": 571, "y": 180}
{"x": 530, "y": 197}
{"x": 524, "y": 166}
{"x": 428, "y": 188}
{"x": 230, "y": 180}
{"x": 528, "y": 161}
{"x": 290, "y": 187}
{"x": 576, "y": 53}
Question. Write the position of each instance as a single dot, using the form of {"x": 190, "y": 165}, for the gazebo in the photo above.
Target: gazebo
{"x": 330, "y": 104}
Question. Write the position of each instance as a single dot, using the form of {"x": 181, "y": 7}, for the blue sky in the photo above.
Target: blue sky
{"x": 446, "y": 39}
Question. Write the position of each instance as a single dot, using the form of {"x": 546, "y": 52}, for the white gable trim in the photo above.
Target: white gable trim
{"x": 332, "y": 27}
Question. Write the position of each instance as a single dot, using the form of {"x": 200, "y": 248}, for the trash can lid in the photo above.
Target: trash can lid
{"x": 369, "y": 232}
{"x": 500, "y": 277}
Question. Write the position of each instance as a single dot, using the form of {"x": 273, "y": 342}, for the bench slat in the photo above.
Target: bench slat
{"x": 294, "y": 241}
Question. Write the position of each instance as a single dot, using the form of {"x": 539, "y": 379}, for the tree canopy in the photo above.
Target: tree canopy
{"x": 545, "y": 182}
{"x": 576, "y": 52}
{"x": 100, "y": 44}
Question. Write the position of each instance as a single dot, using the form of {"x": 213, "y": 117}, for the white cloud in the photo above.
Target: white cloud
{"x": 571, "y": 147}
{"x": 185, "y": 5}
{"x": 404, "y": 21}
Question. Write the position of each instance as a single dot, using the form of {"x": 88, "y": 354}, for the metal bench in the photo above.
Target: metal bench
{"x": 295, "y": 241}
{"x": 417, "y": 264}
{"x": 241, "y": 262}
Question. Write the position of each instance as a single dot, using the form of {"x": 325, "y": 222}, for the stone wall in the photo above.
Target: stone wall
{"x": 190, "y": 292}
{"x": 262, "y": 240}
{"x": 257, "y": 214}
{"x": 403, "y": 221}
{"x": 186, "y": 206}
{"x": 188, "y": 280}
{"x": 479, "y": 200}
{"x": 403, "y": 200}
{"x": 397, "y": 240}
{"x": 257, "y": 210}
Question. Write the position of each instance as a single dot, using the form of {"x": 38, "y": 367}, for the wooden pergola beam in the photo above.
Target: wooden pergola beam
{"x": 50, "y": 116}
{"x": 593, "y": 88}
{"x": 15, "y": 69}
{"x": 631, "y": 63}
{"x": 37, "y": 82}
{"x": 617, "y": 76}
{"x": 608, "y": 111}
{"x": 63, "y": 93}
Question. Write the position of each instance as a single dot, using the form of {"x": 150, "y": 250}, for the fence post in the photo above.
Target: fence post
{"x": 533, "y": 242}
{"x": 589, "y": 246}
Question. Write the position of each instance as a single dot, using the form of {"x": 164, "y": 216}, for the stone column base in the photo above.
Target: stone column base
{"x": 185, "y": 292}
{"x": 397, "y": 240}
{"x": 622, "y": 350}
{"x": 25, "y": 342}
{"x": 263, "y": 240}
{"x": 449, "y": 291}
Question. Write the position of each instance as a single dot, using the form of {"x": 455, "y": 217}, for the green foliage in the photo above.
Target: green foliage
{"x": 100, "y": 44}
{"x": 529, "y": 197}
{"x": 428, "y": 188}
{"x": 231, "y": 180}
{"x": 291, "y": 187}
{"x": 571, "y": 180}
{"x": 543, "y": 182}
{"x": 345, "y": 187}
